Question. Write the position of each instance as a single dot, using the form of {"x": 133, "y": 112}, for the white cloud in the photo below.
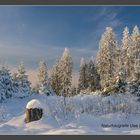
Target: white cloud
{"x": 108, "y": 17}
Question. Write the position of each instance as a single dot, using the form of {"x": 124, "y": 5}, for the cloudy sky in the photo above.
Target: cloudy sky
{"x": 30, "y": 33}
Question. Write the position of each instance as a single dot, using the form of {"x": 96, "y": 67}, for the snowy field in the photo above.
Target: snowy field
{"x": 82, "y": 115}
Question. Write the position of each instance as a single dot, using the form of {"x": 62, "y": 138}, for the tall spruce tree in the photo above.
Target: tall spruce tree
{"x": 55, "y": 80}
{"x": 43, "y": 79}
{"x": 132, "y": 53}
{"x": 135, "y": 33}
{"x": 83, "y": 76}
{"x": 92, "y": 76}
{"x": 66, "y": 65}
{"x": 135, "y": 55}
{"x": 125, "y": 55}
{"x": 107, "y": 57}
{"x": 61, "y": 75}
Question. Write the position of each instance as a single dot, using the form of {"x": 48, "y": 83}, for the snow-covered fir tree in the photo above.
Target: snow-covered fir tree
{"x": 43, "y": 79}
{"x": 107, "y": 57}
{"x": 66, "y": 66}
{"x": 132, "y": 52}
{"x": 137, "y": 60}
{"x": 92, "y": 76}
{"x": 83, "y": 76}
{"x": 126, "y": 38}
{"x": 135, "y": 54}
{"x": 135, "y": 33}
{"x": 125, "y": 54}
{"x": 6, "y": 88}
{"x": 55, "y": 80}
{"x": 21, "y": 83}
{"x": 15, "y": 83}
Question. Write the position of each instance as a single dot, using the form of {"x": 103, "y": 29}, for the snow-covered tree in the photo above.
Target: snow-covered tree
{"x": 66, "y": 65}
{"x": 83, "y": 76}
{"x": 135, "y": 54}
{"x": 61, "y": 74}
{"x": 136, "y": 59}
{"x": 107, "y": 57}
{"x": 15, "y": 83}
{"x": 92, "y": 76}
{"x": 61, "y": 77}
{"x": 125, "y": 54}
{"x": 21, "y": 83}
{"x": 126, "y": 38}
{"x": 55, "y": 80}
{"x": 6, "y": 89}
{"x": 135, "y": 33}
{"x": 43, "y": 78}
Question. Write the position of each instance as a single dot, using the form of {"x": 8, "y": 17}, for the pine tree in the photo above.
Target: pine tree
{"x": 134, "y": 53}
{"x": 55, "y": 80}
{"x": 126, "y": 38}
{"x": 107, "y": 57}
{"x": 83, "y": 76}
{"x": 92, "y": 76}
{"x": 6, "y": 89}
{"x": 15, "y": 84}
{"x": 43, "y": 78}
{"x": 125, "y": 55}
{"x": 21, "y": 83}
{"x": 135, "y": 33}
{"x": 66, "y": 65}
{"x": 61, "y": 77}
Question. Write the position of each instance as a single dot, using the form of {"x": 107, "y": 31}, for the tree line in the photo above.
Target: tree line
{"x": 112, "y": 70}
{"x": 116, "y": 68}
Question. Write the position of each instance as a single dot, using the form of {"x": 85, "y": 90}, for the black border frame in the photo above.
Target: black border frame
{"x": 69, "y": 2}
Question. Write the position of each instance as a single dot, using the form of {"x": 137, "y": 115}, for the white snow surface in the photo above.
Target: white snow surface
{"x": 75, "y": 119}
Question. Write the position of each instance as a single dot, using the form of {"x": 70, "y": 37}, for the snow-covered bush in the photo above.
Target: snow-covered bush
{"x": 94, "y": 104}
{"x": 6, "y": 89}
{"x": 133, "y": 87}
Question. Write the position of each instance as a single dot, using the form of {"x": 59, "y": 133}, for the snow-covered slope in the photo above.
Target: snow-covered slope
{"x": 59, "y": 120}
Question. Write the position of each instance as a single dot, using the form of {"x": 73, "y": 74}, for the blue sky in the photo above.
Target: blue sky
{"x": 30, "y": 33}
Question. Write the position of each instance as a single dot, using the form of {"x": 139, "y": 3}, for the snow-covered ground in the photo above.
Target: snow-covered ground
{"x": 80, "y": 116}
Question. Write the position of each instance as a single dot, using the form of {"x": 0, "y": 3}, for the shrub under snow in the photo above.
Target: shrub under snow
{"x": 93, "y": 104}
